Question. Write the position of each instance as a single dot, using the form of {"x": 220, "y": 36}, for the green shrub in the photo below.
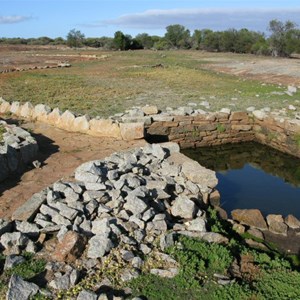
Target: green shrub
{"x": 279, "y": 284}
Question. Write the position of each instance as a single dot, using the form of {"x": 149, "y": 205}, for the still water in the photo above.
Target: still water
{"x": 253, "y": 176}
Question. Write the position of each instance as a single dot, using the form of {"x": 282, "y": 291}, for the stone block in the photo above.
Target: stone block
{"x": 150, "y": 110}
{"x": 276, "y": 224}
{"x": 238, "y": 116}
{"x": 104, "y": 128}
{"x": 132, "y": 131}
{"x": 251, "y": 217}
{"x": 81, "y": 124}
{"x": 53, "y": 118}
{"x": 15, "y": 108}
{"x": 66, "y": 121}
{"x": 40, "y": 112}
{"x": 26, "y": 110}
{"x": 4, "y": 107}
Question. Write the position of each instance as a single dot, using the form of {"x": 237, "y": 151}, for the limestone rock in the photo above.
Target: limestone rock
{"x": 26, "y": 110}
{"x": 260, "y": 115}
{"x": 4, "y": 107}
{"x": 87, "y": 295}
{"x": 198, "y": 174}
{"x": 19, "y": 289}
{"x": 98, "y": 246}
{"x": 251, "y": 217}
{"x": 104, "y": 128}
{"x": 15, "y": 108}
{"x": 132, "y": 131}
{"x": 276, "y": 224}
{"x": 183, "y": 207}
{"x": 150, "y": 110}
{"x": 198, "y": 224}
{"x": 12, "y": 261}
{"x": 81, "y": 124}
{"x": 66, "y": 121}
{"x": 40, "y": 112}
{"x": 53, "y": 118}
{"x": 28, "y": 210}
{"x": 292, "y": 222}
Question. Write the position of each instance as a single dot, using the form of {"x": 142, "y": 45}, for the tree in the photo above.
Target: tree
{"x": 75, "y": 38}
{"x": 197, "y": 39}
{"x": 178, "y": 36}
{"x": 278, "y": 40}
{"x": 145, "y": 40}
{"x": 120, "y": 40}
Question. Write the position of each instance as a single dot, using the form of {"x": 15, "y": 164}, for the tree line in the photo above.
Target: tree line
{"x": 284, "y": 39}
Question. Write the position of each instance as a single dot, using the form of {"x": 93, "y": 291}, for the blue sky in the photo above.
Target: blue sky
{"x": 94, "y": 18}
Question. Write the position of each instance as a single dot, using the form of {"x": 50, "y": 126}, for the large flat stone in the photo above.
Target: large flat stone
{"x": 251, "y": 217}
{"x": 29, "y": 209}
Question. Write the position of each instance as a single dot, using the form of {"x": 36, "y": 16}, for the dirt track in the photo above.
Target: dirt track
{"x": 60, "y": 152}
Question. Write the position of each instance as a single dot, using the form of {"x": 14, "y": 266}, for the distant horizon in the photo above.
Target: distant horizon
{"x": 53, "y": 18}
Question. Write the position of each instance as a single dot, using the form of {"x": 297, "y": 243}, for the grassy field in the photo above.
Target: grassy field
{"x": 125, "y": 79}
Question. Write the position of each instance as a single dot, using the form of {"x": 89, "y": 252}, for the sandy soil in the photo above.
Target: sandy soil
{"x": 60, "y": 153}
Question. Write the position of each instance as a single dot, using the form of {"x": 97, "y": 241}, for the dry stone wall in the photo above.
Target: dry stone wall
{"x": 17, "y": 149}
{"x": 186, "y": 126}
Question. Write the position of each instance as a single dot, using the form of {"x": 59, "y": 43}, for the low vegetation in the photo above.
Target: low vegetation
{"x": 29, "y": 269}
{"x": 125, "y": 79}
{"x": 257, "y": 274}
{"x": 246, "y": 273}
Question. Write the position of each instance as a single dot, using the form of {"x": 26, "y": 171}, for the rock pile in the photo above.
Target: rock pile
{"x": 126, "y": 207}
{"x": 17, "y": 149}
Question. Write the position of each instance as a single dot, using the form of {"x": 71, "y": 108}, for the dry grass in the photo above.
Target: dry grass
{"x": 125, "y": 79}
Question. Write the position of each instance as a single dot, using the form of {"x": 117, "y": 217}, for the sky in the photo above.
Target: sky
{"x": 95, "y": 18}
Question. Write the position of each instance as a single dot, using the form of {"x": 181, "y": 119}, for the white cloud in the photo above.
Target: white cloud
{"x": 13, "y": 19}
{"x": 216, "y": 19}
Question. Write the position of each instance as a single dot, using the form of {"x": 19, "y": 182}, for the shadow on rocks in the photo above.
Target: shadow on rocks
{"x": 46, "y": 149}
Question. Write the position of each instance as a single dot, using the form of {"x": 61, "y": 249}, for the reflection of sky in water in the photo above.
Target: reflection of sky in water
{"x": 252, "y": 175}
{"x": 251, "y": 187}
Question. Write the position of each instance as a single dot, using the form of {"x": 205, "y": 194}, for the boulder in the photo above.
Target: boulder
{"x": 276, "y": 224}
{"x": 70, "y": 248}
{"x": 15, "y": 108}
{"x": 183, "y": 207}
{"x": 251, "y": 217}
{"x": 98, "y": 246}
{"x": 132, "y": 131}
{"x": 292, "y": 222}
{"x": 198, "y": 174}
{"x": 19, "y": 289}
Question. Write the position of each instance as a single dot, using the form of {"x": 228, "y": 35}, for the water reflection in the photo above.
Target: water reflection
{"x": 253, "y": 176}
